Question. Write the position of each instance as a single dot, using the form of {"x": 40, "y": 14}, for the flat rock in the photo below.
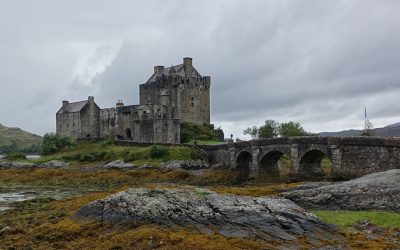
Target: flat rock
{"x": 187, "y": 165}
{"x": 374, "y": 191}
{"x": 55, "y": 164}
{"x": 206, "y": 211}
{"x": 119, "y": 164}
{"x": 18, "y": 165}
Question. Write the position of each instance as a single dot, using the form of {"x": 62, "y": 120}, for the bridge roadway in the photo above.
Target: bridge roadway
{"x": 351, "y": 157}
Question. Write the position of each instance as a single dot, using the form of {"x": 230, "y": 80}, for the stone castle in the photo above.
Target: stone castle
{"x": 173, "y": 95}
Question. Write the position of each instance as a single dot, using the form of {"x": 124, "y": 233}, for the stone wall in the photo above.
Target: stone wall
{"x": 351, "y": 157}
{"x": 68, "y": 124}
{"x": 188, "y": 98}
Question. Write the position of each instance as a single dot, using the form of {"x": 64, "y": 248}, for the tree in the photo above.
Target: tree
{"x": 54, "y": 143}
{"x": 252, "y": 131}
{"x": 269, "y": 130}
{"x": 291, "y": 129}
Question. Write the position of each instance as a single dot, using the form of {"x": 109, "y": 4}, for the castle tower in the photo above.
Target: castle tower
{"x": 188, "y": 92}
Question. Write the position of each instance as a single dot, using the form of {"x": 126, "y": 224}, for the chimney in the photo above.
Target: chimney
{"x": 158, "y": 70}
{"x": 91, "y": 99}
{"x": 65, "y": 105}
{"x": 119, "y": 104}
{"x": 187, "y": 63}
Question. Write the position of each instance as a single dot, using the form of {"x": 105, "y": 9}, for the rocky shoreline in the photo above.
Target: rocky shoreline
{"x": 380, "y": 191}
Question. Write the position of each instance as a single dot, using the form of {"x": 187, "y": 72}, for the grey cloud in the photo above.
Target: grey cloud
{"x": 317, "y": 62}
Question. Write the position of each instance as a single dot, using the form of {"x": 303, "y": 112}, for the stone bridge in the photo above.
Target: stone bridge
{"x": 351, "y": 157}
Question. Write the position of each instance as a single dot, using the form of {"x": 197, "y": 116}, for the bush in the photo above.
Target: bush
{"x": 16, "y": 156}
{"x": 158, "y": 152}
{"x": 54, "y": 143}
{"x": 205, "y": 132}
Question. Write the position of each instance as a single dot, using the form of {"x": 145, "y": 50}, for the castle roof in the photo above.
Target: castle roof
{"x": 178, "y": 70}
{"x": 73, "y": 107}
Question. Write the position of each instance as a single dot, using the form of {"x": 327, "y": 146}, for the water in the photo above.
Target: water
{"x": 29, "y": 157}
{"x": 32, "y": 157}
{"x": 10, "y": 195}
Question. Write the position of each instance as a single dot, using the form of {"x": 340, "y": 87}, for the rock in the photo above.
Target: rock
{"x": 187, "y": 165}
{"x": 19, "y": 165}
{"x": 206, "y": 211}
{"x": 313, "y": 185}
{"x": 4, "y": 230}
{"x": 119, "y": 164}
{"x": 55, "y": 164}
{"x": 374, "y": 191}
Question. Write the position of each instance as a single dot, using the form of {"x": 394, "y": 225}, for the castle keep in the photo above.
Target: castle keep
{"x": 171, "y": 96}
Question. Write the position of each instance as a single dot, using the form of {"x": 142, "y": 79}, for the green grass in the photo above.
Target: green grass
{"x": 205, "y": 142}
{"x": 349, "y": 218}
{"x": 99, "y": 151}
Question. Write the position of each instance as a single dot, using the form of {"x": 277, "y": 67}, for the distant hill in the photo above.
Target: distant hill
{"x": 17, "y": 138}
{"x": 390, "y": 131}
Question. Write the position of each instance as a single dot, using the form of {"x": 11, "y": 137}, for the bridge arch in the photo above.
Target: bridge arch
{"x": 310, "y": 165}
{"x": 269, "y": 166}
{"x": 243, "y": 165}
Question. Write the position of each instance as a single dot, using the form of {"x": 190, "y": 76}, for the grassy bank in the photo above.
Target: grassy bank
{"x": 107, "y": 151}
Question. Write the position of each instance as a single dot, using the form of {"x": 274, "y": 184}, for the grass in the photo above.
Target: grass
{"x": 349, "y": 218}
{"x": 99, "y": 151}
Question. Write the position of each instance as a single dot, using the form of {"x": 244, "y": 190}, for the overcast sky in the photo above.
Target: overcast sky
{"x": 315, "y": 62}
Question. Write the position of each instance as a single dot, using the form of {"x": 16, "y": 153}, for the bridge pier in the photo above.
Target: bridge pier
{"x": 294, "y": 157}
{"x": 336, "y": 160}
{"x": 255, "y": 151}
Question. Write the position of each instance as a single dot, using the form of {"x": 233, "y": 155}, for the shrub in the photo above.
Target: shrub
{"x": 16, "y": 156}
{"x": 54, "y": 143}
{"x": 158, "y": 152}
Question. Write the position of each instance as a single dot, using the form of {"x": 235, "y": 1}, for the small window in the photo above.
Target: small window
{"x": 192, "y": 104}
{"x": 192, "y": 98}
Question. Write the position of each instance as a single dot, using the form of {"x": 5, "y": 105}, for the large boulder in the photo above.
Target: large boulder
{"x": 229, "y": 215}
{"x": 374, "y": 191}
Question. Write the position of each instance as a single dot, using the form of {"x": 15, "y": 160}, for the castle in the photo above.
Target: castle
{"x": 173, "y": 95}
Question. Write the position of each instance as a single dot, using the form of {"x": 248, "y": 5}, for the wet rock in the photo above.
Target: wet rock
{"x": 187, "y": 165}
{"x": 55, "y": 164}
{"x": 374, "y": 191}
{"x": 4, "y": 230}
{"x": 119, "y": 164}
{"x": 206, "y": 211}
{"x": 18, "y": 165}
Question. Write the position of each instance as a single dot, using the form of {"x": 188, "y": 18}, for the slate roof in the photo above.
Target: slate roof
{"x": 73, "y": 107}
{"x": 174, "y": 69}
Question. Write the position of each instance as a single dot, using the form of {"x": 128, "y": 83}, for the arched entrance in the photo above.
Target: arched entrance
{"x": 128, "y": 134}
{"x": 314, "y": 165}
{"x": 274, "y": 167}
{"x": 243, "y": 163}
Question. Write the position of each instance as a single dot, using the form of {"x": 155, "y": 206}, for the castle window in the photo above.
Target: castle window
{"x": 192, "y": 98}
{"x": 192, "y": 104}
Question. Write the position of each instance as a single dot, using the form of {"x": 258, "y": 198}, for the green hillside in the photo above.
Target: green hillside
{"x": 12, "y": 139}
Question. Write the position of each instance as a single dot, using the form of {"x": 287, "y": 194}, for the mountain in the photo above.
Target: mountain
{"x": 16, "y": 137}
{"x": 392, "y": 130}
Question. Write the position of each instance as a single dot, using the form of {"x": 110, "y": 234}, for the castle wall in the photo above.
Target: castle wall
{"x": 68, "y": 124}
{"x": 90, "y": 120}
{"x": 189, "y": 97}
{"x": 108, "y": 118}
{"x": 194, "y": 100}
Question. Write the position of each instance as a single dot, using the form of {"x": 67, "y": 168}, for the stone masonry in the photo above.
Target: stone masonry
{"x": 171, "y": 96}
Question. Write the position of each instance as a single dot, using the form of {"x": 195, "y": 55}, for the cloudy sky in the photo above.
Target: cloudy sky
{"x": 316, "y": 62}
